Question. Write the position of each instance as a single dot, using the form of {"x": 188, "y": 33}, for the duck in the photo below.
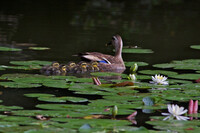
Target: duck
{"x": 108, "y": 62}
{"x": 82, "y": 67}
{"x": 50, "y": 69}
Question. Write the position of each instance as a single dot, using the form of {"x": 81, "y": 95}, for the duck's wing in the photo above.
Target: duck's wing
{"x": 99, "y": 57}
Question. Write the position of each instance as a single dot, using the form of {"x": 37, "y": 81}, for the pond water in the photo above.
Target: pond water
{"x": 70, "y": 27}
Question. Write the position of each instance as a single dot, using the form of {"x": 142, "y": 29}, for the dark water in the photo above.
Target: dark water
{"x": 69, "y": 27}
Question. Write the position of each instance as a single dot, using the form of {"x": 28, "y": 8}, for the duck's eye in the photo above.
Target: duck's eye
{"x": 113, "y": 38}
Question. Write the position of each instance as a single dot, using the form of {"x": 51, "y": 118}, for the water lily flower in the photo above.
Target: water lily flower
{"x": 133, "y": 68}
{"x": 132, "y": 77}
{"x": 114, "y": 111}
{"x": 175, "y": 111}
{"x": 159, "y": 79}
{"x": 193, "y": 108}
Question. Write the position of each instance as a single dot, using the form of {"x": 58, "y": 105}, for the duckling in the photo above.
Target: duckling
{"x": 82, "y": 67}
{"x": 93, "y": 67}
{"x": 71, "y": 67}
{"x": 61, "y": 71}
{"x": 49, "y": 69}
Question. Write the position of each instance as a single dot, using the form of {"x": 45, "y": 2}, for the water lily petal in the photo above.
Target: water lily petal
{"x": 166, "y": 118}
{"x": 165, "y": 113}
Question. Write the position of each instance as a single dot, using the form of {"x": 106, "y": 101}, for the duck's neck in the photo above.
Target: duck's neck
{"x": 118, "y": 50}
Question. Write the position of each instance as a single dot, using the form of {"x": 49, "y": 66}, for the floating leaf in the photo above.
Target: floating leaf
{"x": 38, "y": 95}
{"x": 195, "y": 46}
{"x": 164, "y": 65}
{"x": 128, "y": 64}
{"x": 137, "y": 50}
{"x": 30, "y": 63}
{"x": 76, "y": 99}
{"x": 153, "y": 72}
{"x": 188, "y": 76}
{"x": 18, "y": 85}
{"x": 39, "y": 48}
{"x": 9, "y": 49}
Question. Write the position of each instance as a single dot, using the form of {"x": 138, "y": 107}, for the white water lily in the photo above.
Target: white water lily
{"x": 132, "y": 77}
{"x": 175, "y": 111}
{"x": 159, "y": 79}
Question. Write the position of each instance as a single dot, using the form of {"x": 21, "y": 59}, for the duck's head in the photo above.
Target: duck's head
{"x": 63, "y": 68}
{"x": 117, "y": 43}
{"x": 95, "y": 64}
{"x": 55, "y": 64}
{"x": 83, "y": 65}
{"x": 72, "y": 64}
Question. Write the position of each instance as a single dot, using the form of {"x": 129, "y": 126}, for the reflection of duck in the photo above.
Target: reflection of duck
{"x": 50, "y": 69}
{"x": 108, "y": 62}
{"x": 82, "y": 67}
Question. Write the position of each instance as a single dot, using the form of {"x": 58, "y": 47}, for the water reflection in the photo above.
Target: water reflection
{"x": 8, "y": 27}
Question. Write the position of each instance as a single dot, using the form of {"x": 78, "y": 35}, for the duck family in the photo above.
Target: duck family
{"x": 95, "y": 62}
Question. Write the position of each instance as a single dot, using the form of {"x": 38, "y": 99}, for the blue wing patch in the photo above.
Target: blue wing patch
{"x": 103, "y": 61}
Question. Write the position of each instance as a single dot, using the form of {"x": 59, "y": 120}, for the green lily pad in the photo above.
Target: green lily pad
{"x": 128, "y": 64}
{"x": 189, "y": 76}
{"x": 49, "y": 113}
{"x": 38, "y": 95}
{"x": 62, "y": 99}
{"x": 9, "y": 49}
{"x": 76, "y": 99}
{"x": 164, "y": 65}
{"x": 20, "y": 67}
{"x": 9, "y": 108}
{"x": 20, "y": 75}
{"x": 56, "y": 84}
{"x": 61, "y": 106}
{"x": 30, "y": 63}
{"x": 174, "y": 125}
{"x": 52, "y": 99}
{"x": 195, "y": 46}
{"x": 39, "y": 48}
{"x": 2, "y": 68}
{"x": 153, "y": 72}
{"x": 189, "y": 64}
{"x": 137, "y": 50}
{"x": 95, "y": 123}
{"x": 18, "y": 85}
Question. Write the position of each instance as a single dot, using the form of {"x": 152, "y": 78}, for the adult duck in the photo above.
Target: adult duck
{"x": 108, "y": 62}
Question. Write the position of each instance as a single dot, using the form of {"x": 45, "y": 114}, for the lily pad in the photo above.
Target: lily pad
{"x": 137, "y": 50}
{"x": 9, "y": 49}
{"x": 38, "y": 95}
{"x": 18, "y": 85}
{"x": 189, "y": 76}
{"x": 153, "y": 72}
{"x": 62, "y": 99}
{"x": 30, "y": 63}
{"x": 128, "y": 64}
{"x": 195, "y": 46}
{"x": 76, "y": 99}
{"x": 39, "y": 48}
{"x": 19, "y": 67}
